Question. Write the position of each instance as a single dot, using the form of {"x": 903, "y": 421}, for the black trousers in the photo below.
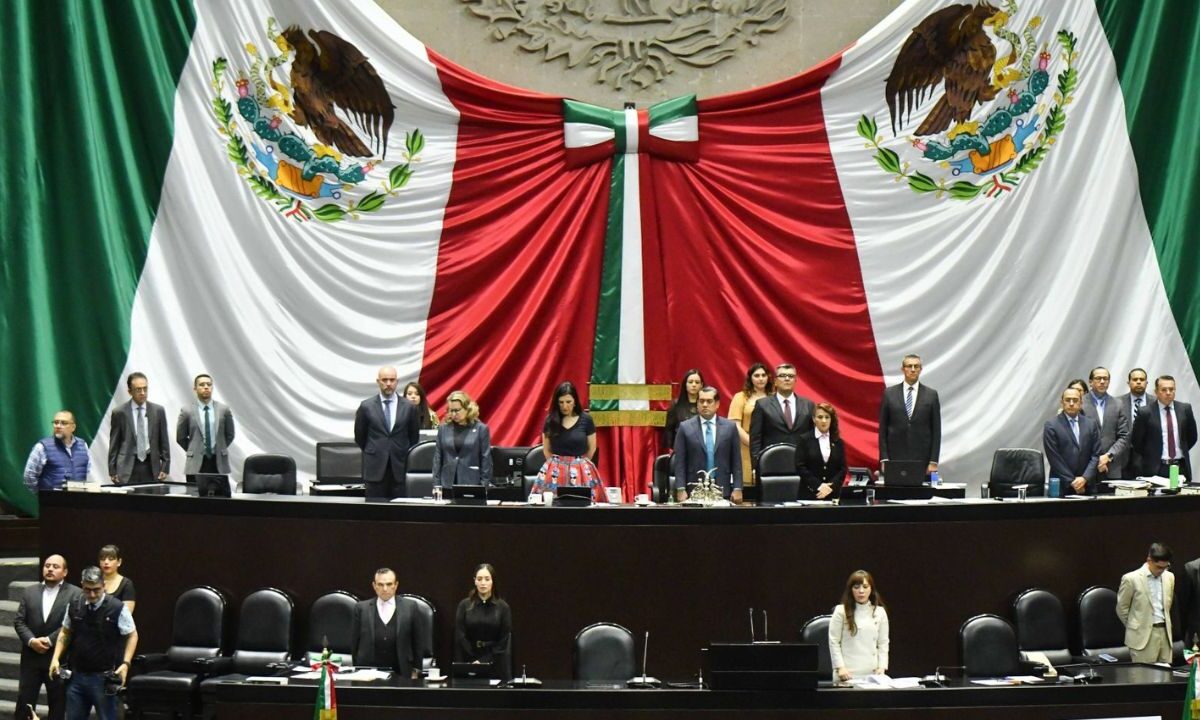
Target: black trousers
{"x": 392, "y": 485}
{"x": 209, "y": 464}
{"x": 141, "y": 472}
{"x": 33, "y": 676}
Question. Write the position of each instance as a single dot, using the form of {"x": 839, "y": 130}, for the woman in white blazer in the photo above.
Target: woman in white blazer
{"x": 858, "y": 631}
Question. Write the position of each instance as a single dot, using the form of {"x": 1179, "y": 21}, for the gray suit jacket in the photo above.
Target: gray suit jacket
{"x": 918, "y": 438}
{"x": 122, "y": 441}
{"x": 189, "y": 434}
{"x": 1067, "y": 458}
{"x": 1133, "y": 606}
{"x": 1114, "y": 432}
{"x": 472, "y": 466}
{"x": 29, "y": 624}
{"x": 690, "y": 458}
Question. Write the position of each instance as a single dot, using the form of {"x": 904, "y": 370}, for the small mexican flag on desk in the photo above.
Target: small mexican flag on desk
{"x": 1191, "y": 704}
{"x": 326, "y": 708}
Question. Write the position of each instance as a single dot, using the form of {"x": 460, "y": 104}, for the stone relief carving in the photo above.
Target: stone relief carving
{"x": 633, "y": 42}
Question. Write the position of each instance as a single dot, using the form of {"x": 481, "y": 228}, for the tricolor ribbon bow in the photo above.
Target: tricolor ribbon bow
{"x": 668, "y": 130}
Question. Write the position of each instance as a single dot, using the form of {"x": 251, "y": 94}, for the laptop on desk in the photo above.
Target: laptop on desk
{"x": 905, "y": 473}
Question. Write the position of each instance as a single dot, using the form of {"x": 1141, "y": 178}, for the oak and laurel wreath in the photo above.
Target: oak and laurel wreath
{"x": 1029, "y": 161}
{"x": 235, "y": 148}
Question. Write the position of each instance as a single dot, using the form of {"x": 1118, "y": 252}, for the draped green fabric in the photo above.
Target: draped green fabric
{"x": 89, "y": 88}
{"x": 1156, "y": 45}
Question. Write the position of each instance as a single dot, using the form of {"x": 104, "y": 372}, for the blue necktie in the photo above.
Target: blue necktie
{"x": 1075, "y": 429}
{"x": 208, "y": 443}
{"x": 710, "y": 449}
{"x": 387, "y": 415}
{"x": 908, "y": 403}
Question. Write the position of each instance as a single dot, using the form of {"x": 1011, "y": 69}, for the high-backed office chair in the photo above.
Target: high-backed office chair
{"x": 1100, "y": 630}
{"x": 1041, "y": 626}
{"x": 331, "y": 625}
{"x": 418, "y": 482}
{"x": 988, "y": 647}
{"x": 603, "y": 652}
{"x": 1017, "y": 466}
{"x": 265, "y": 473}
{"x": 169, "y": 682}
{"x": 777, "y": 478}
{"x": 339, "y": 462}
{"x": 264, "y": 639}
{"x": 816, "y": 631}
{"x": 425, "y": 619}
{"x": 664, "y": 479}
{"x": 534, "y": 460}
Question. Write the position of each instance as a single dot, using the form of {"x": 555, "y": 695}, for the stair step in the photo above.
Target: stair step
{"x": 8, "y": 691}
{"x": 16, "y": 587}
{"x": 8, "y": 611}
{"x": 18, "y": 568}
{"x": 9, "y": 642}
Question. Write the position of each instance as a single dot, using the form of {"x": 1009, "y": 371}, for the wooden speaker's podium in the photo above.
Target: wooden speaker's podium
{"x": 762, "y": 666}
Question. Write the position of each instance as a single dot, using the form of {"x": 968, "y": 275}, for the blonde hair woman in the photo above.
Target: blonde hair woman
{"x": 464, "y": 445}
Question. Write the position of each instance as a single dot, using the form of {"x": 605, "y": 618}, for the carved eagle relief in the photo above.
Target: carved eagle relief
{"x": 951, "y": 45}
{"x": 339, "y": 76}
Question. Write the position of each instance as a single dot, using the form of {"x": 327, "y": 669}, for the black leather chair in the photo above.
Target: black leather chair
{"x": 1017, "y": 466}
{"x": 265, "y": 473}
{"x": 418, "y": 482}
{"x": 1100, "y": 630}
{"x": 1042, "y": 626}
{"x": 425, "y": 620}
{"x": 339, "y": 462}
{"x": 777, "y": 478}
{"x": 664, "y": 479}
{"x": 604, "y": 653}
{"x": 331, "y": 625}
{"x": 169, "y": 682}
{"x": 264, "y": 639}
{"x": 816, "y": 631}
{"x": 534, "y": 460}
{"x": 988, "y": 647}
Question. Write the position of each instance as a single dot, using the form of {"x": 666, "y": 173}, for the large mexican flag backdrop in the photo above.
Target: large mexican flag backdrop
{"x": 289, "y": 195}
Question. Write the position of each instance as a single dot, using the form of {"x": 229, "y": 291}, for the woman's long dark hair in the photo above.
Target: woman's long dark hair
{"x": 748, "y": 386}
{"x": 422, "y": 407}
{"x": 556, "y": 416}
{"x": 682, "y": 400}
{"x": 858, "y": 577}
{"x": 473, "y": 596}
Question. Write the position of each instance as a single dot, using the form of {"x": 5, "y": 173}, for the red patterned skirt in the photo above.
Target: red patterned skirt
{"x": 576, "y": 471}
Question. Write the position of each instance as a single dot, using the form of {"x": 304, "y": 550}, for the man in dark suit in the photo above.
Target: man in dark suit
{"x": 38, "y": 621}
{"x": 1072, "y": 444}
{"x": 1113, "y": 421}
{"x": 385, "y": 630}
{"x": 139, "y": 443}
{"x": 708, "y": 442}
{"x": 1164, "y": 417}
{"x": 205, "y": 430}
{"x": 1187, "y": 599}
{"x": 782, "y": 417}
{"x": 910, "y": 419}
{"x": 385, "y": 427}
{"x": 1133, "y": 401}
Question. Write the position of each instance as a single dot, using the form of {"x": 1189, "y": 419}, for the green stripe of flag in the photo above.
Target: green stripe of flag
{"x": 1157, "y": 49}
{"x": 673, "y": 109}
{"x": 89, "y": 94}
{"x": 607, "y": 345}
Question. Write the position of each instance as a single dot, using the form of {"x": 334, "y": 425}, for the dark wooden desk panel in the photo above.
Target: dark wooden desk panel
{"x": 688, "y": 575}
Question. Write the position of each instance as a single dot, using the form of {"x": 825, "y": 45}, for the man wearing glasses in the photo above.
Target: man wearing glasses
{"x": 57, "y": 458}
{"x": 782, "y": 417}
{"x": 1144, "y": 606}
{"x": 910, "y": 419}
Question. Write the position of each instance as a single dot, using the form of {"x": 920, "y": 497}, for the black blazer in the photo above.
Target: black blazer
{"x": 29, "y": 623}
{"x": 363, "y": 648}
{"x": 1068, "y": 459}
{"x": 767, "y": 427}
{"x": 380, "y": 445}
{"x": 918, "y": 438}
{"x": 1187, "y": 599}
{"x": 814, "y": 470}
{"x": 1147, "y": 443}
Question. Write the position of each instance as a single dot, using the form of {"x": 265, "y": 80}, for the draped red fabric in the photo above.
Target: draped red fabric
{"x": 758, "y": 257}
{"x": 748, "y": 255}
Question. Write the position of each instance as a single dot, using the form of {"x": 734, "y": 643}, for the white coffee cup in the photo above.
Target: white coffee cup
{"x": 642, "y": 499}
{"x": 547, "y": 499}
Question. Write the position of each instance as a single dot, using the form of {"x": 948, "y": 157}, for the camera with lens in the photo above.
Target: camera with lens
{"x": 112, "y": 683}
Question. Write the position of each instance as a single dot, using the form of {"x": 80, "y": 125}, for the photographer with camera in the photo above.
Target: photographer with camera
{"x": 100, "y": 632}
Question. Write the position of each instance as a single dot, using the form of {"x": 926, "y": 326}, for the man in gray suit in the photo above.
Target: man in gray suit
{"x": 709, "y": 442}
{"x": 205, "y": 431}
{"x": 38, "y": 621}
{"x": 385, "y": 427}
{"x": 1110, "y": 415}
{"x": 1144, "y": 606}
{"x": 910, "y": 419}
{"x": 139, "y": 441}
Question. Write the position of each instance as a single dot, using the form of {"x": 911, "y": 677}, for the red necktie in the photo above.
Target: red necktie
{"x": 787, "y": 413}
{"x": 1170, "y": 434}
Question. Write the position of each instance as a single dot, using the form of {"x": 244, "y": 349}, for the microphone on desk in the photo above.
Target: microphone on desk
{"x": 643, "y": 680}
{"x": 751, "y": 624}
